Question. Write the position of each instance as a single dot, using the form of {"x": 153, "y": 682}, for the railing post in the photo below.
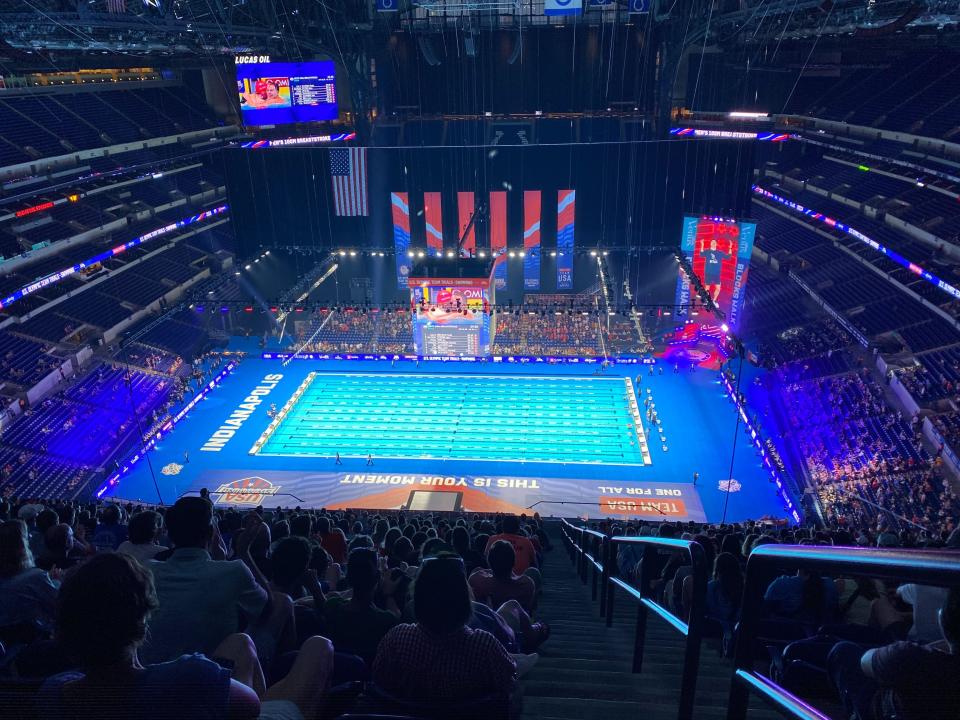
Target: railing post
{"x": 640, "y": 634}
{"x": 691, "y": 655}
{"x": 750, "y": 608}
{"x": 583, "y": 558}
{"x": 593, "y": 568}
{"x": 605, "y": 576}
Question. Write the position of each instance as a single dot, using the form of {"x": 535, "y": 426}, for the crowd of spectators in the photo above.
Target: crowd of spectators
{"x": 265, "y": 611}
{"x": 856, "y": 447}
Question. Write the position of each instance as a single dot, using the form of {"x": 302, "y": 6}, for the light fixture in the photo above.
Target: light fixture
{"x": 267, "y": 252}
{"x": 521, "y": 253}
{"x": 449, "y": 253}
{"x": 247, "y": 267}
{"x": 725, "y": 327}
{"x": 353, "y": 253}
{"x": 343, "y": 253}
{"x": 420, "y": 254}
{"x": 481, "y": 254}
{"x": 511, "y": 254}
{"x": 409, "y": 253}
{"x": 593, "y": 253}
{"x": 553, "y": 253}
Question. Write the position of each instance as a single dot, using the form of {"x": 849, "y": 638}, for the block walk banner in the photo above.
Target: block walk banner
{"x": 566, "y": 215}
{"x": 531, "y": 239}
{"x": 433, "y": 215}
{"x": 498, "y": 234}
{"x": 562, "y": 7}
{"x": 400, "y": 206}
{"x": 465, "y": 209}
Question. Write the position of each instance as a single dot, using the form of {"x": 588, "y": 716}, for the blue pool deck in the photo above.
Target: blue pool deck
{"x": 507, "y": 438}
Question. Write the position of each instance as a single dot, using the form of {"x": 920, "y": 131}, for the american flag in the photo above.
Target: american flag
{"x": 348, "y": 174}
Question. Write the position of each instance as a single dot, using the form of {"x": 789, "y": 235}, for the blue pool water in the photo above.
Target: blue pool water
{"x": 549, "y": 419}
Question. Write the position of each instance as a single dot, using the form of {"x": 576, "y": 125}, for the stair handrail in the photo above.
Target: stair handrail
{"x": 577, "y": 539}
{"x": 939, "y": 568}
{"x": 691, "y": 629}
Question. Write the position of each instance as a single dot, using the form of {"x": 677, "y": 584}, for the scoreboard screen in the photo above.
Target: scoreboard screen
{"x": 451, "y": 321}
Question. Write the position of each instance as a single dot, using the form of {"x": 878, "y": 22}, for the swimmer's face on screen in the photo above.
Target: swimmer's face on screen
{"x": 273, "y": 91}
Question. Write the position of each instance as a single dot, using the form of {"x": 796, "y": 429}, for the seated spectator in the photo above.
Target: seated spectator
{"x": 904, "y": 680}
{"x": 356, "y": 625}
{"x": 440, "y": 657}
{"x": 724, "y": 591}
{"x": 102, "y": 620}
{"x": 804, "y": 597}
{"x": 526, "y": 554}
{"x": 27, "y": 593}
{"x": 61, "y": 551}
{"x": 203, "y": 601}
{"x": 143, "y": 543}
{"x": 926, "y": 603}
{"x": 460, "y": 539}
{"x": 109, "y": 532}
{"x": 332, "y": 540}
{"x": 499, "y": 584}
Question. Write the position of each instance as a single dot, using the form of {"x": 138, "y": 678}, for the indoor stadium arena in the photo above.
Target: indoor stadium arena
{"x": 479, "y": 359}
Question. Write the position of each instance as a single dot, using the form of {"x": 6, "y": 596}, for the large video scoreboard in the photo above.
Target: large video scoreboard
{"x": 452, "y": 316}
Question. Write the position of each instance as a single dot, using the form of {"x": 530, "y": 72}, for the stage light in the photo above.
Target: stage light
{"x": 256, "y": 261}
{"x": 353, "y": 253}
{"x": 593, "y": 253}
{"x": 511, "y": 254}
{"x": 521, "y": 253}
{"x": 247, "y": 266}
{"x": 481, "y": 254}
{"x": 553, "y": 253}
{"x": 420, "y": 254}
{"x": 343, "y": 253}
{"x": 237, "y": 273}
{"x": 725, "y": 327}
{"x": 605, "y": 253}
{"x": 267, "y": 252}
{"x": 409, "y": 253}
{"x": 449, "y": 253}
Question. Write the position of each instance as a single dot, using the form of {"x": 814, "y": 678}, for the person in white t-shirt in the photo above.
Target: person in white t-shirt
{"x": 143, "y": 534}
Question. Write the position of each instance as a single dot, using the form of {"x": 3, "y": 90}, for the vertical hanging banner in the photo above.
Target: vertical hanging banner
{"x": 566, "y": 207}
{"x": 465, "y": 209}
{"x": 401, "y": 236}
{"x": 562, "y": 7}
{"x": 433, "y": 214}
{"x": 498, "y": 234}
{"x": 531, "y": 239}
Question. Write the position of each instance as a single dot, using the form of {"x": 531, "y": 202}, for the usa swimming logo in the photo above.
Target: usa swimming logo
{"x": 247, "y": 491}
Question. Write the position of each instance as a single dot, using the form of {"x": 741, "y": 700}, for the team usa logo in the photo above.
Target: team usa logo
{"x": 248, "y": 491}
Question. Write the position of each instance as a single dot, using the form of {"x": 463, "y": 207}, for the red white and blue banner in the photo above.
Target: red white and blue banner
{"x": 465, "y": 210}
{"x": 498, "y": 235}
{"x": 400, "y": 207}
{"x": 531, "y": 239}
{"x": 433, "y": 216}
{"x": 566, "y": 215}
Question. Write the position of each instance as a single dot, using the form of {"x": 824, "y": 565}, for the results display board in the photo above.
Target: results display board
{"x": 451, "y": 318}
{"x": 275, "y": 93}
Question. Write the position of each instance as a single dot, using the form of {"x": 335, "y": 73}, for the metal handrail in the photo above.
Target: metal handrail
{"x": 692, "y": 629}
{"x": 925, "y": 567}
{"x": 576, "y": 539}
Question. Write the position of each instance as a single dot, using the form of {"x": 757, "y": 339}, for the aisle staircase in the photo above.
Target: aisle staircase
{"x": 584, "y": 668}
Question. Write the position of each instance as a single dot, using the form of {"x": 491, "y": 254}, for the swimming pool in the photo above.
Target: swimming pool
{"x": 561, "y": 419}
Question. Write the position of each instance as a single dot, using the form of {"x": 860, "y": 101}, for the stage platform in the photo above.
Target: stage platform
{"x": 478, "y": 437}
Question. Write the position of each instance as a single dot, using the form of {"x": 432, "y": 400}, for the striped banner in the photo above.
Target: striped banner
{"x": 531, "y": 239}
{"x": 566, "y": 206}
{"x": 433, "y": 214}
{"x": 498, "y": 234}
{"x": 401, "y": 236}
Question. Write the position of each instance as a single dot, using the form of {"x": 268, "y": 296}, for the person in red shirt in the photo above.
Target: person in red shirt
{"x": 499, "y": 584}
{"x": 526, "y": 554}
{"x": 332, "y": 540}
